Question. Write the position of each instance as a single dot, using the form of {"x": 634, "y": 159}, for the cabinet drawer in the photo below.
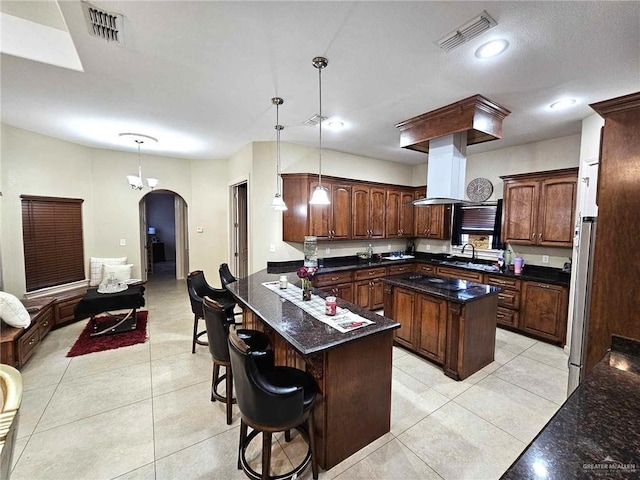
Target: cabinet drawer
{"x": 426, "y": 268}
{"x": 398, "y": 269}
{"x": 64, "y": 309}
{"x": 332, "y": 279}
{"x": 46, "y": 322}
{"x": 343, "y": 291}
{"x": 509, "y": 318}
{"x": 370, "y": 273}
{"x": 27, "y": 344}
{"x": 461, "y": 274}
{"x": 509, "y": 299}
{"x": 504, "y": 282}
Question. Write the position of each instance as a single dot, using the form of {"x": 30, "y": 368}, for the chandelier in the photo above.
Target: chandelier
{"x": 136, "y": 182}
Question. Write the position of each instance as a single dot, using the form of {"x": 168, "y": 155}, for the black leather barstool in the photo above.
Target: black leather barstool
{"x": 226, "y": 277}
{"x": 271, "y": 399}
{"x": 198, "y": 288}
{"x": 218, "y": 324}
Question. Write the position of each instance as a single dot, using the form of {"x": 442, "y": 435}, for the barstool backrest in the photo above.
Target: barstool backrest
{"x": 226, "y": 277}
{"x": 195, "y": 287}
{"x": 217, "y": 329}
{"x": 259, "y": 397}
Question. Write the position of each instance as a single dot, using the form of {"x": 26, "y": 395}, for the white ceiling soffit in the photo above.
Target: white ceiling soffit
{"x": 37, "y": 31}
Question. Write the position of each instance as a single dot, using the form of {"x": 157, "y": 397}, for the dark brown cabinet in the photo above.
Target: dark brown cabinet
{"x": 431, "y": 333}
{"x": 431, "y": 221}
{"x": 403, "y": 313}
{"x": 508, "y": 299}
{"x": 368, "y": 209}
{"x": 544, "y": 311}
{"x": 368, "y": 290}
{"x": 539, "y": 208}
{"x": 399, "y": 213}
{"x": 337, "y": 284}
{"x": 331, "y": 222}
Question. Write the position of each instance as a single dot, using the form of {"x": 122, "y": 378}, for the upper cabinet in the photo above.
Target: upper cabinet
{"x": 368, "y": 209}
{"x": 399, "y": 213}
{"x": 539, "y": 208}
{"x": 431, "y": 221}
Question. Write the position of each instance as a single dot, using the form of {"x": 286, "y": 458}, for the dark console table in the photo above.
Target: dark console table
{"x": 94, "y": 303}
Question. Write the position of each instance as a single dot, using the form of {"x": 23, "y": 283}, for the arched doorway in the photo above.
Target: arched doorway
{"x": 163, "y": 228}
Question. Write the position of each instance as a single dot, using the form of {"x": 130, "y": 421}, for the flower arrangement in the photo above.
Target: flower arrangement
{"x": 306, "y": 274}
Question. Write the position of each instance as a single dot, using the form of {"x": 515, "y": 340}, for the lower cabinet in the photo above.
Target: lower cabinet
{"x": 544, "y": 311}
{"x": 343, "y": 291}
{"x": 459, "y": 337}
{"x": 369, "y": 294}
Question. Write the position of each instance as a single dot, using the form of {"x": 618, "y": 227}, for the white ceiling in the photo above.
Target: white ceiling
{"x": 199, "y": 76}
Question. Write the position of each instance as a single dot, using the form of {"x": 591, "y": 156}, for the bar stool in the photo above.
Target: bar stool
{"x": 218, "y": 324}
{"x": 271, "y": 399}
{"x": 198, "y": 288}
{"x": 226, "y": 277}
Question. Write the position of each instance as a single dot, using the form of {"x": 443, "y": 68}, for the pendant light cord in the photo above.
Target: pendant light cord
{"x": 278, "y": 128}
{"x": 139, "y": 142}
{"x": 320, "y": 127}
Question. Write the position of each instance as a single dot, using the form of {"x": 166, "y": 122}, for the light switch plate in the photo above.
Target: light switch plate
{"x": 272, "y": 247}
{"x": 545, "y": 258}
{"x": 199, "y": 229}
{"x": 123, "y": 242}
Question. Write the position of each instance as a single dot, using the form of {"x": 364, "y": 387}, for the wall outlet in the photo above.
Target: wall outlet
{"x": 199, "y": 230}
{"x": 428, "y": 247}
{"x": 272, "y": 248}
{"x": 445, "y": 248}
{"x": 388, "y": 247}
{"x": 123, "y": 242}
{"x": 545, "y": 258}
{"x": 327, "y": 250}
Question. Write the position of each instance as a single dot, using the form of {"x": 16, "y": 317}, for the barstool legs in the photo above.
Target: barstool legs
{"x": 229, "y": 394}
{"x": 266, "y": 455}
{"x": 312, "y": 445}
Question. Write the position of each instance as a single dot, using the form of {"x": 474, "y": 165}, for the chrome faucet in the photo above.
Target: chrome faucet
{"x": 473, "y": 250}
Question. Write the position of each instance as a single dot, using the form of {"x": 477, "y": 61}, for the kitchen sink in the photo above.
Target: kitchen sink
{"x": 474, "y": 266}
{"x": 398, "y": 257}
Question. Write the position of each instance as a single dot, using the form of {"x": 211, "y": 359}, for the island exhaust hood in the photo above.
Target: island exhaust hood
{"x": 444, "y": 134}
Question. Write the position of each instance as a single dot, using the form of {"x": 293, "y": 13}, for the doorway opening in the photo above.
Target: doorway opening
{"x": 163, "y": 228}
{"x": 239, "y": 241}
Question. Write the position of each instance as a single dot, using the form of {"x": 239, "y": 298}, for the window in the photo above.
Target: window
{"x": 479, "y": 225}
{"x": 53, "y": 243}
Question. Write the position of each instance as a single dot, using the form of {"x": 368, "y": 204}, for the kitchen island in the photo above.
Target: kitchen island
{"x": 352, "y": 370}
{"x": 448, "y": 321}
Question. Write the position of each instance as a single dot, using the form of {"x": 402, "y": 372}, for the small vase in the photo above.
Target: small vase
{"x": 306, "y": 289}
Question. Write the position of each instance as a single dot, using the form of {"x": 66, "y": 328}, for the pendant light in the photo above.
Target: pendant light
{"x": 278, "y": 202}
{"x": 320, "y": 195}
{"x": 136, "y": 182}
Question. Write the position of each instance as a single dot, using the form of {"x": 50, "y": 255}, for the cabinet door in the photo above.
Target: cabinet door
{"x": 406, "y": 214}
{"x": 376, "y": 295}
{"x": 376, "y": 212}
{"x": 360, "y": 212}
{"x": 556, "y": 212}
{"x": 544, "y": 310}
{"x": 361, "y": 291}
{"x": 432, "y": 327}
{"x": 319, "y": 215}
{"x": 421, "y": 216}
{"x": 393, "y": 212}
{"x": 403, "y": 313}
{"x": 340, "y": 224}
{"x": 345, "y": 292}
{"x": 520, "y": 212}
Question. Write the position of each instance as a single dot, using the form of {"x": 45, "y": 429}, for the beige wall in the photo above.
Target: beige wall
{"x": 40, "y": 165}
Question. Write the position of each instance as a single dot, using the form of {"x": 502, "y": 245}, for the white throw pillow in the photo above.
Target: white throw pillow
{"x": 96, "y": 268}
{"x": 121, "y": 273}
{"x": 13, "y": 312}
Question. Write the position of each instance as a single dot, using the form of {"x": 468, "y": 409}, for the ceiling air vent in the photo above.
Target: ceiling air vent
{"x": 104, "y": 24}
{"x": 466, "y": 32}
{"x": 314, "y": 120}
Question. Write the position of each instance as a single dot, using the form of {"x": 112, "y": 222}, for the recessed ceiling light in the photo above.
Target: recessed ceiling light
{"x": 563, "y": 103}
{"x": 492, "y": 48}
{"x": 335, "y": 125}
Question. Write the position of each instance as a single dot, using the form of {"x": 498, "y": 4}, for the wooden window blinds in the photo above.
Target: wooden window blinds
{"x": 53, "y": 243}
{"x": 479, "y": 220}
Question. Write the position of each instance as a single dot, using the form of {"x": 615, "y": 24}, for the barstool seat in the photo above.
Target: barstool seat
{"x": 218, "y": 324}
{"x": 271, "y": 399}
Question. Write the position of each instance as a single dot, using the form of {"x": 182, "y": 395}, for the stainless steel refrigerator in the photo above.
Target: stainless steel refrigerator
{"x": 581, "y": 299}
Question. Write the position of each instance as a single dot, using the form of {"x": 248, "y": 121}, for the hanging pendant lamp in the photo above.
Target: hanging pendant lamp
{"x": 320, "y": 194}
{"x": 278, "y": 201}
{"x": 135, "y": 182}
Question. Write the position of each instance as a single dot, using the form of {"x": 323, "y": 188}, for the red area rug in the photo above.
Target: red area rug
{"x": 87, "y": 344}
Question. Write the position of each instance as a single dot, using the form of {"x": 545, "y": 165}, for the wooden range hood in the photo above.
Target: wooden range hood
{"x": 478, "y": 116}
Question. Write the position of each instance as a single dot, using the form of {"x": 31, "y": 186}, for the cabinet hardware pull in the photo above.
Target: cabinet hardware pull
{"x": 543, "y": 286}
{"x": 32, "y": 341}
{"x": 539, "y": 236}
{"x": 335, "y": 278}
{"x": 533, "y": 237}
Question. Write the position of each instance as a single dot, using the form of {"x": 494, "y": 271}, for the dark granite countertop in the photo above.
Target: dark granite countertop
{"x": 453, "y": 290}
{"x": 329, "y": 265}
{"x": 304, "y": 332}
{"x": 596, "y": 432}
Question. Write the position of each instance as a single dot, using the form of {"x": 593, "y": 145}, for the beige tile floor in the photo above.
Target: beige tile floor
{"x": 143, "y": 412}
